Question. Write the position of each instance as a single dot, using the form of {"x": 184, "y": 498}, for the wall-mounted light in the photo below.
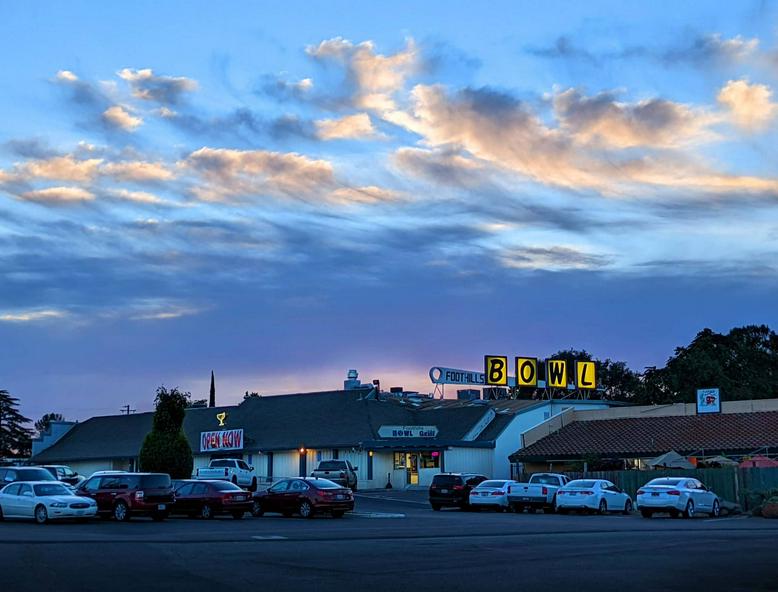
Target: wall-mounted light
{"x": 370, "y": 453}
{"x": 302, "y": 449}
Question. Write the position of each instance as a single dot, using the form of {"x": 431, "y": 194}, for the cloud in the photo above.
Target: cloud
{"x": 374, "y": 77}
{"x": 496, "y": 128}
{"x": 750, "y": 105}
{"x": 711, "y": 48}
{"x": 31, "y": 316}
{"x": 233, "y": 173}
{"x": 564, "y": 48}
{"x": 147, "y": 86}
{"x": 64, "y": 168}
{"x": 367, "y": 195}
{"x": 356, "y": 126}
{"x": 554, "y": 258}
{"x": 138, "y": 196}
{"x": 603, "y": 120}
{"x": 445, "y": 167}
{"x": 66, "y": 76}
{"x": 58, "y": 195}
{"x": 118, "y": 116}
{"x": 137, "y": 170}
{"x": 282, "y": 89}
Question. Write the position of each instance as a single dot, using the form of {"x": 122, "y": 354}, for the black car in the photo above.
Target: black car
{"x": 453, "y": 489}
{"x": 13, "y": 474}
{"x": 64, "y": 473}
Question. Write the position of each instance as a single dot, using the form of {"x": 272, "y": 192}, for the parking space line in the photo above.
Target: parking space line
{"x": 725, "y": 519}
{"x": 376, "y": 515}
{"x": 269, "y": 537}
{"x": 391, "y": 499}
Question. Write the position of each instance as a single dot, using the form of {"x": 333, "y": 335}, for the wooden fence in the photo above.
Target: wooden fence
{"x": 731, "y": 484}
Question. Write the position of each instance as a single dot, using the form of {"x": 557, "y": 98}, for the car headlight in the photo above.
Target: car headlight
{"x": 58, "y": 505}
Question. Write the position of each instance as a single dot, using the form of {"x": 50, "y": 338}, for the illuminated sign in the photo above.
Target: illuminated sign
{"x": 585, "y": 375}
{"x": 527, "y": 372}
{"x": 221, "y": 440}
{"x": 496, "y": 370}
{"x": 440, "y": 375}
{"x": 708, "y": 400}
{"x": 221, "y": 417}
{"x": 556, "y": 373}
{"x": 391, "y": 431}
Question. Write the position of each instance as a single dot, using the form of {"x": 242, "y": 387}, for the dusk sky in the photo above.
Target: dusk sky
{"x": 282, "y": 191}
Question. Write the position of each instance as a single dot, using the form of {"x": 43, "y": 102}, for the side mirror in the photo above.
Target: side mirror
{"x": 251, "y": 468}
{"x": 355, "y": 468}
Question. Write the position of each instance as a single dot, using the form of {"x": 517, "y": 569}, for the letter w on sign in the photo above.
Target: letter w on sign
{"x": 556, "y": 373}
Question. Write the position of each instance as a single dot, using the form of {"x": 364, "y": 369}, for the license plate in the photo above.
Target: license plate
{"x": 573, "y": 493}
{"x": 79, "y": 512}
{"x": 654, "y": 495}
{"x": 240, "y": 498}
{"x": 444, "y": 491}
{"x": 161, "y": 507}
{"x": 525, "y": 499}
{"x": 340, "y": 496}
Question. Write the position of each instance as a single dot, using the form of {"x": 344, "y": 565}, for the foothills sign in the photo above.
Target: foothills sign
{"x": 496, "y": 373}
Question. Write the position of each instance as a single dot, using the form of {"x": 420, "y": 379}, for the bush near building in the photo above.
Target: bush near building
{"x": 165, "y": 449}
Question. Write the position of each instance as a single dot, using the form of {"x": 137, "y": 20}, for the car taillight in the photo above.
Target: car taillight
{"x": 560, "y": 492}
{"x": 587, "y": 493}
{"x": 545, "y": 490}
{"x": 139, "y": 496}
{"x": 641, "y": 491}
{"x": 458, "y": 487}
{"x": 673, "y": 492}
{"x": 497, "y": 493}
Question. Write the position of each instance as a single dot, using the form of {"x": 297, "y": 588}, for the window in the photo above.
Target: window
{"x": 200, "y": 489}
{"x": 92, "y": 485}
{"x": 215, "y": 464}
{"x": 24, "y": 488}
{"x": 429, "y": 460}
{"x": 51, "y": 489}
{"x": 34, "y": 474}
{"x": 446, "y": 480}
{"x": 399, "y": 460}
{"x": 298, "y": 486}
{"x": 326, "y": 484}
{"x": 10, "y": 475}
{"x": 582, "y": 484}
{"x": 12, "y": 489}
{"x": 475, "y": 480}
{"x": 332, "y": 465}
{"x": 280, "y": 487}
{"x": 544, "y": 479}
{"x": 243, "y": 465}
{"x": 185, "y": 489}
{"x": 225, "y": 486}
{"x": 155, "y": 481}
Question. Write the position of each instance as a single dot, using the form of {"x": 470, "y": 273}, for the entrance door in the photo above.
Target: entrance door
{"x": 412, "y": 467}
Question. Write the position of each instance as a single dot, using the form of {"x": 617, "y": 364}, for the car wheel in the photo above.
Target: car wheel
{"x": 1, "y": 513}
{"x": 256, "y": 509}
{"x": 602, "y": 508}
{"x": 628, "y": 507}
{"x": 206, "y": 512}
{"x": 716, "y": 511}
{"x": 689, "y": 511}
{"x": 646, "y": 513}
{"x": 253, "y": 486}
{"x": 238, "y": 515}
{"x": 436, "y": 507}
{"x": 337, "y": 513}
{"x": 41, "y": 515}
{"x": 306, "y": 509}
{"x": 121, "y": 512}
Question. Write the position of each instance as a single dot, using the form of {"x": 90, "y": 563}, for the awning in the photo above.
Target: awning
{"x": 670, "y": 460}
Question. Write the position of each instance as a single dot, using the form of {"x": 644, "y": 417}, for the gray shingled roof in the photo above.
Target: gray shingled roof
{"x": 331, "y": 419}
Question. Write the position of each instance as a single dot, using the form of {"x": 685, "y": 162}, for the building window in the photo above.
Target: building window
{"x": 429, "y": 460}
{"x": 399, "y": 460}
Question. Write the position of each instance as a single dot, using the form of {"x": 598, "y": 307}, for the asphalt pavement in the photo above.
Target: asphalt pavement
{"x": 393, "y": 541}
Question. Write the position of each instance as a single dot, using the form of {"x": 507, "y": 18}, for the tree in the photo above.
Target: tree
{"x": 251, "y": 395}
{"x": 44, "y": 422}
{"x": 165, "y": 448}
{"x": 14, "y": 436}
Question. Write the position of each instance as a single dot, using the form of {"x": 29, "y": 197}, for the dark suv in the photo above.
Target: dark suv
{"x": 13, "y": 474}
{"x": 124, "y": 495}
{"x": 453, "y": 489}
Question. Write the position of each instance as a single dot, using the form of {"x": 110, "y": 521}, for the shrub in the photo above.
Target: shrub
{"x": 165, "y": 449}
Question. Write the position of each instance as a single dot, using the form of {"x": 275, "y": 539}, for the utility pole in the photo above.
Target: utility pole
{"x": 126, "y": 410}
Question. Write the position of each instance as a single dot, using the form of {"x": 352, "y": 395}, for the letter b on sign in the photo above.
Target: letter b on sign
{"x": 527, "y": 372}
{"x": 496, "y": 370}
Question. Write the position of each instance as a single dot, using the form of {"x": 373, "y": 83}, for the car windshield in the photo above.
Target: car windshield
{"x": 492, "y": 484}
{"x": 156, "y": 481}
{"x": 225, "y": 486}
{"x": 671, "y": 482}
{"x": 544, "y": 480}
{"x": 324, "y": 484}
{"x": 34, "y": 474}
{"x": 51, "y": 489}
{"x": 332, "y": 465}
{"x": 581, "y": 484}
{"x": 215, "y": 464}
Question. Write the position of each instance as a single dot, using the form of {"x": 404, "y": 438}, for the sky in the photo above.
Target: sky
{"x": 282, "y": 191}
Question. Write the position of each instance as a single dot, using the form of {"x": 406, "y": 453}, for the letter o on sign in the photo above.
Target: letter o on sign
{"x": 527, "y": 372}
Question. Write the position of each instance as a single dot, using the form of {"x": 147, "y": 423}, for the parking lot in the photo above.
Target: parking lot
{"x": 393, "y": 541}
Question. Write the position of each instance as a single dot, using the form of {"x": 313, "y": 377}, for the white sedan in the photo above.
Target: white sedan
{"x": 596, "y": 495}
{"x": 43, "y": 501}
{"x": 491, "y": 494}
{"x": 677, "y": 496}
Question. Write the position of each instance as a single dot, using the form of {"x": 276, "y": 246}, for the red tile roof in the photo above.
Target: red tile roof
{"x": 651, "y": 436}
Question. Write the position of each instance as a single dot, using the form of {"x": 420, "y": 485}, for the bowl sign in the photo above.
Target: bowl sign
{"x": 221, "y": 440}
{"x": 708, "y": 400}
{"x": 390, "y": 431}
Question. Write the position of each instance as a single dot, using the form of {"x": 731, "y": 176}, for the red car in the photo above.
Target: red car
{"x": 206, "y": 499}
{"x": 123, "y": 495}
{"x": 306, "y": 497}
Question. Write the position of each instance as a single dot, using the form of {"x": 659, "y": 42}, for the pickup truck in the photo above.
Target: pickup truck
{"x": 539, "y": 492}
{"x": 339, "y": 471}
{"x": 229, "y": 469}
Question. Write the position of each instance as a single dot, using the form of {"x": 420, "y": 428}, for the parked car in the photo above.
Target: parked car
{"x": 539, "y": 493}
{"x": 207, "y": 499}
{"x": 304, "y": 496}
{"x": 229, "y": 469}
{"x": 100, "y": 473}
{"x": 491, "y": 494}
{"x": 453, "y": 489}
{"x": 337, "y": 471}
{"x": 13, "y": 474}
{"x": 592, "y": 495}
{"x": 43, "y": 501}
{"x": 124, "y": 495}
{"x": 677, "y": 496}
{"x": 65, "y": 474}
